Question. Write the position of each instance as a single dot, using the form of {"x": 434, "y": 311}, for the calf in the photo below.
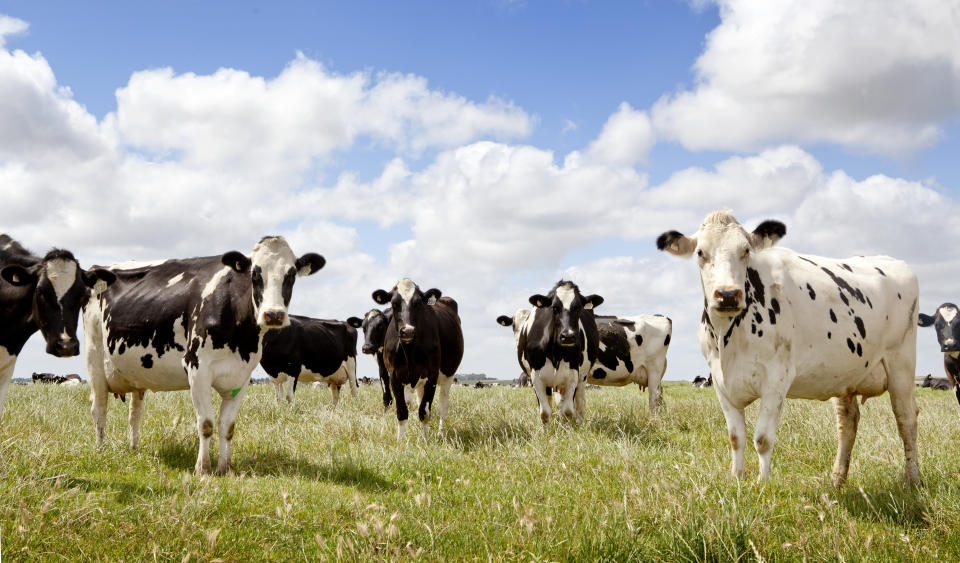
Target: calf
{"x": 43, "y": 294}
{"x": 557, "y": 345}
{"x": 374, "y": 325}
{"x": 631, "y": 350}
{"x": 779, "y": 324}
{"x": 194, "y": 324}
{"x": 422, "y": 349}
{"x": 946, "y": 321}
{"x": 936, "y": 383}
{"x": 311, "y": 350}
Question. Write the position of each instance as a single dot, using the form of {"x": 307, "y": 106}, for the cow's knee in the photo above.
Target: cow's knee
{"x": 206, "y": 428}
{"x": 762, "y": 443}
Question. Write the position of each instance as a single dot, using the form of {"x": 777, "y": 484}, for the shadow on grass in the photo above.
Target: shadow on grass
{"x": 274, "y": 462}
{"x": 903, "y": 507}
{"x": 126, "y": 492}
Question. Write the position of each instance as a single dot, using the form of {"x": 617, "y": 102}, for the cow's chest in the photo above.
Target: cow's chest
{"x": 561, "y": 374}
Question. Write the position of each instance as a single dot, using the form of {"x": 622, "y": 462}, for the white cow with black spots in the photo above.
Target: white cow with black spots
{"x": 779, "y": 324}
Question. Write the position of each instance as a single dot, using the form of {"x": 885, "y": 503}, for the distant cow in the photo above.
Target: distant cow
{"x": 422, "y": 348}
{"x": 69, "y": 379}
{"x": 701, "y": 382}
{"x": 946, "y": 320}
{"x": 936, "y": 383}
{"x": 557, "y": 344}
{"x": 43, "y": 294}
{"x": 779, "y": 324}
{"x": 309, "y": 351}
{"x": 192, "y": 324}
{"x": 374, "y": 325}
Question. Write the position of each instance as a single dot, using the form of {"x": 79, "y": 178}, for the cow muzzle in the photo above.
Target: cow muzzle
{"x": 567, "y": 338}
{"x": 64, "y": 348}
{"x": 274, "y": 318}
{"x": 407, "y": 333}
{"x": 949, "y": 345}
{"x": 369, "y": 349}
{"x": 728, "y": 300}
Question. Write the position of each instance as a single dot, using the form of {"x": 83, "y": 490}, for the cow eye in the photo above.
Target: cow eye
{"x": 701, "y": 255}
{"x": 746, "y": 253}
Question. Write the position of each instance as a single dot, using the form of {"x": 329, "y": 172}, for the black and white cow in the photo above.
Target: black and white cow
{"x": 701, "y": 382}
{"x": 422, "y": 349}
{"x": 311, "y": 350}
{"x": 936, "y": 383}
{"x": 631, "y": 350}
{"x": 374, "y": 325}
{"x": 43, "y": 294}
{"x": 557, "y": 344}
{"x": 779, "y": 324}
{"x": 195, "y": 324}
{"x": 947, "y": 323}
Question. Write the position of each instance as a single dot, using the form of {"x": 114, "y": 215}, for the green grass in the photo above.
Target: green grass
{"x": 316, "y": 483}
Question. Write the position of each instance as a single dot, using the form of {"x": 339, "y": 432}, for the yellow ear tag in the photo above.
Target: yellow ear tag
{"x": 16, "y": 278}
{"x": 238, "y": 266}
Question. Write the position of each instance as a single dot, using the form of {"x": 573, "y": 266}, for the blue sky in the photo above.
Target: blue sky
{"x": 789, "y": 113}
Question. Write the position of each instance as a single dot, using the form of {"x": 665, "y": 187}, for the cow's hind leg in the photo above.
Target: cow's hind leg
{"x": 278, "y": 386}
{"x": 399, "y": 391}
{"x": 737, "y": 434}
{"x": 900, "y": 373}
{"x": 443, "y": 399}
{"x": 227, "y": 425}
{"x": 7, "y": 363}
{"x": 351, "y": 367}
{"x": 203, "y": 409}
{"x": 765, "y": 434}
{"x": 542, "y": 398}
{"x": 135, "y": 416}
{"x": 848, "y": 417}
{"x": 426, "y": 402}
{"x": 335, "y": 393}
{"x": 654, "y": 386}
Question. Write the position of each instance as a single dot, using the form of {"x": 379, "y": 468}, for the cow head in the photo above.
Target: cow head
{"x": 565, "y": 303}
{"x": 408, "y": 304}
{"x": 273, "y": 268}
{"x": 516, "y": 321}
{"x": 724, "y": 250}
{"x": 374, "y": 325}
{"x": 947, "y": 322}
{"x": 60, "y": 289}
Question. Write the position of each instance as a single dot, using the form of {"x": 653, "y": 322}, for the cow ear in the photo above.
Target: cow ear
{"x": 504, "y": 320}
{"x": 381, "y": 297}
{"x": 925, "y": 320}
{"x": 593, "y": 301}
{"x": 237, "y": 261}
{"x": 539, "y": 300}
{"x": 310, "y": 263}
{"x": 767, "y": 234}
{"x": 676, "y": 243}
{"x": 355, "y": 322}
{"x": 432, "y": 295}
{"x": 98, "y": 279}
{"x": 15, "y": 274}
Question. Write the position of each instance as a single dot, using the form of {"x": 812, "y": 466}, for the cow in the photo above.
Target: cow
{"x": 43, "y": 294}
{"x": 374, "y": 325}
{"x": 311, "y": 350}
{"x": 557, "y": 344}
{"x": 780, "y": 324}
{"x": 936, "y": 383}
{"x": 422, "y": 349}
{"x": 946, "y": 321}
{"x": 196, "y": 324}
{"x": 631, "y": 350}
{"x": 69, "y": 379}
{"x": 702, "y": 382}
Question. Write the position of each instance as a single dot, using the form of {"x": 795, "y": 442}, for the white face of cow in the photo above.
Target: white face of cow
{"x": 273, "y": 270}
{"x": 723, "y": 250}
{"x": 947, "y": 323}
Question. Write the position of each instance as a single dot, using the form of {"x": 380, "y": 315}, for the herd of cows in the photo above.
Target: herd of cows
{"x": 775, "y": 324}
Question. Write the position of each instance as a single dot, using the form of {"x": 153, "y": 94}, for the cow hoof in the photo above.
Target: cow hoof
{"x": 202, "y": 468}
{"x": 224, "y": 471}
{"x": 838, "y": 481}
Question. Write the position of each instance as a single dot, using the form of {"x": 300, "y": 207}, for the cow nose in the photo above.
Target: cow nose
{"x": 274, "y": 318}
{"x": 568, "y": 338}
{"x": 406, "y": 333}
{"x": 727, "y": 298}
{"x": 368, "y": 349}
{"x": 64, "y": 348}
{"x": 949, "y": 343}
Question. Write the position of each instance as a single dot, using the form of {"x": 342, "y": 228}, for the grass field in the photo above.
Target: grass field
{"x": 316, "y": 483}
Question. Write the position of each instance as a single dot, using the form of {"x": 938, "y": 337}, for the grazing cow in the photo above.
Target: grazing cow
{"x": 374, "y": 325}
{"x": 779, "y": 324}
{"x": 311, "y": 350}
{"x": 557, "y": 344}
{"x": 69, "y": 379}
{"x": 194, "y": 324}
{"x": 43, "y": 294}
{"x": 947, "y": 323}
{"x": 422, "y": 348}
{"x": 936, "y": 383}
{"x": 631, "y": 350}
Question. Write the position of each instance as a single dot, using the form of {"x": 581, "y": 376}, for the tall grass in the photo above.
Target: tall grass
{"x": 319, "y": 483}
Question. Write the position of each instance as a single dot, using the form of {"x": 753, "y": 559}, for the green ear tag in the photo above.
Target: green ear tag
{"x": 236, "y": 391}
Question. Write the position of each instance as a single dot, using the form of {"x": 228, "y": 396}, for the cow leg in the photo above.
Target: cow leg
{"x": 227, "y": 425}
{"x": 426, "y": 402}
{"x": 848, "y": 417}
{"x": 135, "y": 416}
{"x": 765, "y": 434}
{"x": 443, "y": 401}
{"x": 654, "y": 387}
{"x": 399, "y": 391}
{"x": 567, "y": 405}
{"x": 351, "y": 368}
{"x": 7, "y": 363}
{"x": 99, "y": 394}
{"x": 203, "y": 408}
{"x": 542, "y": 398}
{"x": 580, "y": 397}
{"x": 335, "y": 392}
{"x": 737, "y": 433}
{"x": 384, "y": 382}
{"x": 900, "y": 373}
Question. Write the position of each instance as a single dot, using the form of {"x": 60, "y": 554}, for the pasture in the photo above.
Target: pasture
{"x": 316, "y": 483}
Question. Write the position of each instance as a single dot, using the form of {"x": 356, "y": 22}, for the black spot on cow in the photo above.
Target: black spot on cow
{"x": 859, "y": 350}
{"x": 760, "y": 334}
{"x": 753, "y": 328}
{"x": 666, "y": 341}
{"x": 859, "y": 322}
{"x": 147, "y": 361}
{"x": 828, "y": 335}
{"x": 813, "y": 294}
{"x": 898, "y": 296}
{"x": 847, "y": 268}
{"x": 599, "y": 373}
{"x": 773, "y": 316}
{"x": 851, "y": 346}
{"x": 756, "y": 284}
{"x": 122, "y": 348}
{"x": 833, "y": 316}
{"x": 868, "y": 301}
{"x": 881, "y": 271}
{"x": 639, "y": 339}
{"x": 757, "y": 317}
{"x": 844, "y": 287}
{"x": 807, "y": 260}
{"x": 865, "y": 364}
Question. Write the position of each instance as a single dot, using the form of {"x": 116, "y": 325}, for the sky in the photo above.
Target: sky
{"x": 486, "y": 147}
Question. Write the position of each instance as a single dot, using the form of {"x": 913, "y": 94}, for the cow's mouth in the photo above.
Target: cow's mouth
{"x": 406, "y": 339}
{"x": 728, "y": 310}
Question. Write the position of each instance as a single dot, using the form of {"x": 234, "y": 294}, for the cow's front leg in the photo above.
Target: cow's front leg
{"x": 203, "y": 408}
{"x": 736, "y": 433}
{"x": 384, "y": 382}
{"x": 278, "y": 386}
{"x": 580, "y": 396}
{"x": 403, "y": 413}
{"x": 567, "y": 406}
{"x": 7, "y": 363}
{"x": 135, "y": 417}
{"x": 542, "y": 398}
{"x": 443, "y": 399}
{"x": 227, "y": 426}
{"x": 765, "y": 434}
{"x": 426, "y": 401}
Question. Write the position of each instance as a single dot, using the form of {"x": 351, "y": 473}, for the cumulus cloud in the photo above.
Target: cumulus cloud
{"x": 625, "y": 140}
{"x": 879, "y": 76}
{"x": 11, "y": 26}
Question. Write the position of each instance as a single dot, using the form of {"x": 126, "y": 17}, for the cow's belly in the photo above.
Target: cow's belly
{"x": 338, "y": 377}
{"x": 822, "y": 385}
{"x": 557, "y": 375}
{"x": 128, "y": 371}
{"x": 618, "y": 377}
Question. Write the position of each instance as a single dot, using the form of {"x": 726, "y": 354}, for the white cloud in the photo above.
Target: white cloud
{"x": 625, "y": 140}
{"x": 11, "y": 26}
{"x": 879, "y": 76}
